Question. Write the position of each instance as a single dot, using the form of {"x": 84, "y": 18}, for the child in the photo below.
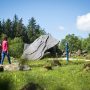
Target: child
{"x": 5, "y": 50}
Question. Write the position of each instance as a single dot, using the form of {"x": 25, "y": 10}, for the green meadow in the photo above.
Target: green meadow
{"x": 68, "y": 76}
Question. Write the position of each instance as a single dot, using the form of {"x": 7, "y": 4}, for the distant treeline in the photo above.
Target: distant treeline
{"x": 19, "y": 34}
{"x": 15, "y": 28}
{"x": 75, "y": 43}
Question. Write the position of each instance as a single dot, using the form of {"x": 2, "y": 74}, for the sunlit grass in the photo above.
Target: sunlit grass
{"x": 69, "y": 76}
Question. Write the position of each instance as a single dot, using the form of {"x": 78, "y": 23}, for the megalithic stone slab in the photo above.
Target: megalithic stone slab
{"x": 37, "y": 49}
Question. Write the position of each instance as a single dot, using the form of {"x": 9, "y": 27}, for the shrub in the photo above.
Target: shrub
{"x": 88, "y": 56}
{"x": 16, "y": 47}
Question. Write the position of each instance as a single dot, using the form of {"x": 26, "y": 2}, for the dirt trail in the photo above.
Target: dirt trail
{"x": 69, "y": 59}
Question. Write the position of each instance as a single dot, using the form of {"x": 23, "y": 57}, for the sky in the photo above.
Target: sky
{"x": 57, "y": 17}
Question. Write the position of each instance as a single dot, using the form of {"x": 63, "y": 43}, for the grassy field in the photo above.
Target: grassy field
{"x": 69, "y": 76}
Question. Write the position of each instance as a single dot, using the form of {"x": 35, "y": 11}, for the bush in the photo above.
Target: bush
{"x": 88, "y": 56}
{"x": 16, "y": 47}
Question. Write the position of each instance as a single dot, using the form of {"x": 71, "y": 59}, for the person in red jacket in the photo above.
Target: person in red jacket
{"x": 0, "y": 51}
{"x": 5, "y": 50}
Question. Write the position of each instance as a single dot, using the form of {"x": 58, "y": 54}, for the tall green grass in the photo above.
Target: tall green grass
{"x": 69, "y": 76}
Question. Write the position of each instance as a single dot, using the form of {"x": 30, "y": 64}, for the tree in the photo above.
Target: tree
{"x": 62, "y": 44}
{"x": 19, "y": 28}
{"x": 24, "y": 35}
{"x": 33, "y": 30}
{"x": 39, "y": 31}
{"x": 86, "y": 44}
{"x": 8, "y": 30}
{"x": 14, "y": 26}
{"x": 73, "y": 41}
{"x": 3, "y": 26}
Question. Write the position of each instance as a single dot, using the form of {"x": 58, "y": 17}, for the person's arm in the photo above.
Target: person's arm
{"x": 0, "y": 43}
{"x": 7, "y": 47}
{"x": 0, "y": 47}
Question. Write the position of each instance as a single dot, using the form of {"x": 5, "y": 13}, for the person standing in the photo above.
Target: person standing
{"x": 0, "y": 51}
{"x": 5, "y": 50}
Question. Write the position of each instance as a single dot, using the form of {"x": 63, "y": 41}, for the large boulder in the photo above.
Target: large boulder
{"x": 37, "y": 49}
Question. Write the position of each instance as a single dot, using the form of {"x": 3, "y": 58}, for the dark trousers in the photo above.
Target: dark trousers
{"x": 3, "y": 56}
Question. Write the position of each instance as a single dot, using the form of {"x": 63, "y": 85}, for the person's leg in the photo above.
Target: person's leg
{"x": 2, "y": 58}
{"x": 8, "y": 56}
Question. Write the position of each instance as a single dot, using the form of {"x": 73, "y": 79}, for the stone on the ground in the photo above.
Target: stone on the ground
{"x": 32, "y": 86}
{"x": 87, "y": 66}
{"x": 1, "y": 68}
{"x": 48, "y": 67}
{"x": 11, "y": 67}
{"x": 55, "y": 63}
{"x": 24, "y": 67}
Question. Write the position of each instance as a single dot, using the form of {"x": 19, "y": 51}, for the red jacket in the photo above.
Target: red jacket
{"x": 4, "y": 45}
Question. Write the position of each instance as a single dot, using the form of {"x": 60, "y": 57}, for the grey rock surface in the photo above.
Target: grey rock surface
{"x": 36, "y": 50}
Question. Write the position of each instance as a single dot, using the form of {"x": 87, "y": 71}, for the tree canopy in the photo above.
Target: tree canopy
{"x": 16, "y": 28}
{"x": 28, "y": 33}
{"x": 75, "y": 43}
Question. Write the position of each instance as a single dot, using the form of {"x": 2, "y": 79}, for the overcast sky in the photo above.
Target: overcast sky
{"x": 57, "y": 17}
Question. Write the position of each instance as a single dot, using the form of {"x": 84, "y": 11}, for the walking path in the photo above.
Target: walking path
{"x": 69, "y": 59}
